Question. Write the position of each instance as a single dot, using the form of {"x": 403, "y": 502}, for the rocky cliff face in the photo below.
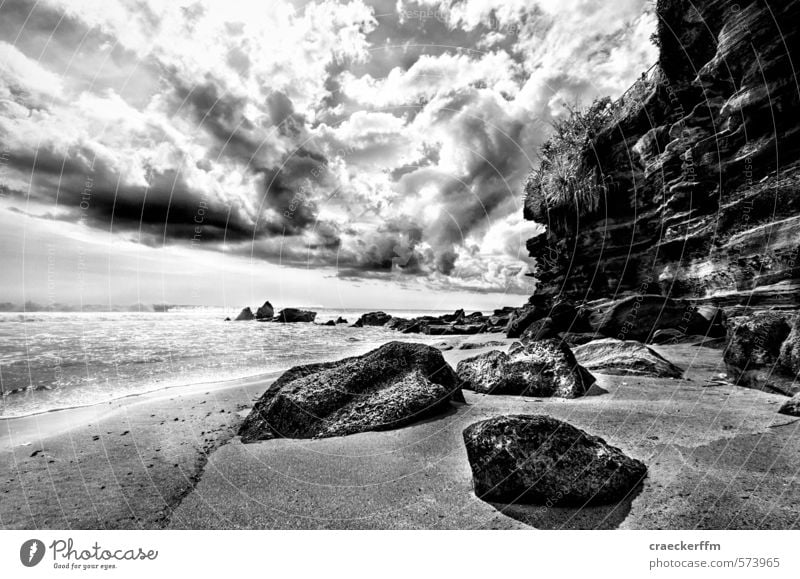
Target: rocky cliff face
{"x": 700, "y": 169}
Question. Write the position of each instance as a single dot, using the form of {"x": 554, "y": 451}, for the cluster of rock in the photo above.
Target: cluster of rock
{"x": 513, "y": 458}
{"x": 266, "y": 313}
{"x": 456, "y": 324}
{"x": 644, "y": 318}
{"x": 761, "y": 348}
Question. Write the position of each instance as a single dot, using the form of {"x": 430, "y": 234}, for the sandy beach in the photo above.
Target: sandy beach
{"x": 719, "y": 457}
{"x": 124, "y": 464}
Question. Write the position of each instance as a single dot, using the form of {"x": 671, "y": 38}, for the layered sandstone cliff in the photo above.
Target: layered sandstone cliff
{"x": 698, "y": 169}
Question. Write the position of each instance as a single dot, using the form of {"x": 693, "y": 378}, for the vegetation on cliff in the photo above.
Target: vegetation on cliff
{"x": 567, "y": 182}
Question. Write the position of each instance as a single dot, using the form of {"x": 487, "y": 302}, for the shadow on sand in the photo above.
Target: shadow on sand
{"x": 601, "y": 517}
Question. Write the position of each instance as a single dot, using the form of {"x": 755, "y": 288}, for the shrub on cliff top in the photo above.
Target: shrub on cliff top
{"x": 566, "y": 182}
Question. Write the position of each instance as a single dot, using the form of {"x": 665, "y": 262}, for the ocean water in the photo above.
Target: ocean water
{"x": 57, "y": 360}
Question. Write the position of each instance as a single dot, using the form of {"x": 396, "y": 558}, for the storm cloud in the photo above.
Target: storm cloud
{"x": 377, "y": 140}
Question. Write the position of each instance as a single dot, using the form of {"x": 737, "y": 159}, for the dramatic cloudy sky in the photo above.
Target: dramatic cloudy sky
{"x": 333, "y": 153}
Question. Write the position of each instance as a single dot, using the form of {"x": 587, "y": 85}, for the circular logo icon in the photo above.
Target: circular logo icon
{"x": 31, "y": 552}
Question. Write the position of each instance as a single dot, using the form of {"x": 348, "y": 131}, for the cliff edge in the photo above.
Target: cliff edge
{"x": 694, "y": 177}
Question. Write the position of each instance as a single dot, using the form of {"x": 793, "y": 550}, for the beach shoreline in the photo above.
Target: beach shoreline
{"x": 120, "y": 464}
{"x": 67, "y": 359}
{"x": 65, "y": 462}
{"x": 171, "y": 459}
{"x": 177, "y": 389}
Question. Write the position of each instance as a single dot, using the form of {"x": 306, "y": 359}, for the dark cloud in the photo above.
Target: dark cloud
{"x": 220, "y": 114}
{"x": 293, "y": 202}
{"x": 83, "y": 187}
{"x": 392, "y": 246}
{"x": 282, "y": 114}
{"x": 492, "y": 146}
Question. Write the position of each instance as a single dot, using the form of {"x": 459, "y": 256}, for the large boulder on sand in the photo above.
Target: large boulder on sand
{"x": 372, "y": 319}
{"x": 245, "y": 315}
{"x": 544, "y": 368}
{"x": 541, "y": 460}
{"x": 293, "y": 315}
{"x": 754, "y": 349}
{"x": 265, "y": 312}
{"x": 392, "y": 386}
{"x": 624, "y": 358}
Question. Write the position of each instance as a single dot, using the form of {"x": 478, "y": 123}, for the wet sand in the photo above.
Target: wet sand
{"x": 719, "y": 457}
{"x": 123, "y": 464}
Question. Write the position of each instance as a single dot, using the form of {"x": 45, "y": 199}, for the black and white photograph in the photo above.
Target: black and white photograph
{"x": 383, "y": 265}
